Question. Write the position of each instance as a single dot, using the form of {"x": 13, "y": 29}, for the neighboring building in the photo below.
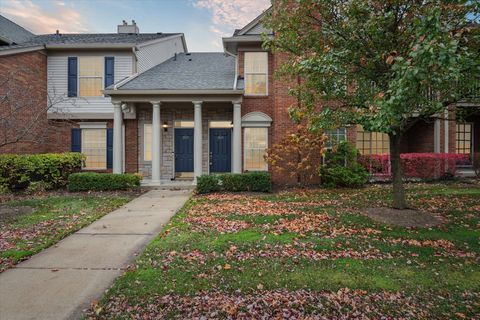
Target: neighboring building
{"x": 143, "y": 103}
{"x": 11, "y": 33}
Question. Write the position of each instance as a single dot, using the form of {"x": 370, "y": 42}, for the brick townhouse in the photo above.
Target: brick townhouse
{"x": 136, "y": 102}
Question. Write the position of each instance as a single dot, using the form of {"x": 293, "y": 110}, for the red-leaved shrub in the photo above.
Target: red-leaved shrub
{"x": 416, "y": 165}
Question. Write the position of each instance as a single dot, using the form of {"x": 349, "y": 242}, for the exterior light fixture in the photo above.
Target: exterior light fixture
{"x": 165, "y": 126}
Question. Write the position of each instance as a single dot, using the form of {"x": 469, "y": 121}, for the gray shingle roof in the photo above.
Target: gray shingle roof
{"x": 12, "y": 32}
{"x": 90, "y": 38}
{"x": 188, "y": 71}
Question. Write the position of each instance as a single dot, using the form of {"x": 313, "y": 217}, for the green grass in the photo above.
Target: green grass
{"x": 52, "y": 219}
{"x": 436, "y": 279}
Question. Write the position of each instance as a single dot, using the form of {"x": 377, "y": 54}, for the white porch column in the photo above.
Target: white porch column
{"x": 436, "y": 136}
{"x": 237, "y": 138}
{"x": 156, "y": 143}
{"x": 117, "y": 137}
{"x": 446, "y": 123}
{"x": 197, "y": 139}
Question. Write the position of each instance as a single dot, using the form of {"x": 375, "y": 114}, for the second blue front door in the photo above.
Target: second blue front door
{"x": 220, "y": 150}
{"x": 183, "y": 150}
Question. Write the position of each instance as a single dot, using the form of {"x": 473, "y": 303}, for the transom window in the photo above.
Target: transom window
{"x": 335, "y": 136}
{"x": 183, "y": 124}
{"x": 90, "y": 76}
{"x": 255, "y": 146}
{"x": 372, "y": 142}
{"x": 94, "y": 142}
{"x": 220, "y": 124}
{"x": 256, "y": 72}
{"x": 463, "y": 140}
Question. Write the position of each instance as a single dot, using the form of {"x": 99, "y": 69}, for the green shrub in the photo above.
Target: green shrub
{"x": 208, "y": 183}
{"x": 343, "y": 154}
{"x": 53, "y": 169}
{"x": 38, "y": 187}
{"x": 340, "y": 176}
{"x": 248, "y": 181}
{"x": 90, "y": 181}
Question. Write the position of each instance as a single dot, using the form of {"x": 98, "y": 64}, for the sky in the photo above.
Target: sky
{"x": 204, "y": 22}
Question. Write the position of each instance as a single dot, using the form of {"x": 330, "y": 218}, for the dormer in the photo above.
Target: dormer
{"x": 249, "y": 35}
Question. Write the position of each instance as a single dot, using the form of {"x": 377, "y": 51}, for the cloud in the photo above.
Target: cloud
{"x": 232, "y": 14}
{"x": 39, "y": 19}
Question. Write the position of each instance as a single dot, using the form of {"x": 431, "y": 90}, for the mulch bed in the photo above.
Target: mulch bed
{"x": 403, "y": 218}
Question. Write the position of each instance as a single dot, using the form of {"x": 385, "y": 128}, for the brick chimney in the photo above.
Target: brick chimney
{"x": 128, "y": 28}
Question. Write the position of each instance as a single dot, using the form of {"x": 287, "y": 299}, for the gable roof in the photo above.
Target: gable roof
{"x": 251, "y": 34}
{"x": 87, "y": 40}
{"x": 254, "y": 26}
{"x": 11, "y": 33}
{"x": 186, "y": 71}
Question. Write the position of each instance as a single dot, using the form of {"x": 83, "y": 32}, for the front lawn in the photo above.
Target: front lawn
{"x": 47, "y": 221}
{"x": 308, "y": 254}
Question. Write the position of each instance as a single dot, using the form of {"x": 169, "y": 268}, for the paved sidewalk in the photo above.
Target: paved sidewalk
{"x": 61, "y": 281}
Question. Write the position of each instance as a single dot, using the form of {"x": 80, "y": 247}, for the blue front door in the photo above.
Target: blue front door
{"x": 220, "y": 150}
{"x": 183, "y": 150}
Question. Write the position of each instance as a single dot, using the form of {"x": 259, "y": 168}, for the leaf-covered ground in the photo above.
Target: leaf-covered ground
{"x": 52, "y": 219}
{"x": 308, "y": 255}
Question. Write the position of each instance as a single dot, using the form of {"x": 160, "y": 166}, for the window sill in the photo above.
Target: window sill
{"x": 256, "y": 95}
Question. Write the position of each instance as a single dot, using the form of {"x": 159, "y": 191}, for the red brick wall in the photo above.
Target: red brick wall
{"x": 275, "y": 105}
{"x": 23, "y": 78}
{"x": 131, "y": 146}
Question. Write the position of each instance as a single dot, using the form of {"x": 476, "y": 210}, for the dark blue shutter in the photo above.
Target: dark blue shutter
{"x": 72, "y": 76}
{"x": 109, "y": 148}
{"x": 109, "y": 71}
{"x": 76, "y": 145}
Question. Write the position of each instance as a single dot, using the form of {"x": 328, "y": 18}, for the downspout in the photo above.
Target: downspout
{"x": 236, "y": 67}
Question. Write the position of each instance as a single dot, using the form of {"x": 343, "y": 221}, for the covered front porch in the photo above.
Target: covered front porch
{"x": 180, "y": 137}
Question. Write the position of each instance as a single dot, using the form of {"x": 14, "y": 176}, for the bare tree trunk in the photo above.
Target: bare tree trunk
{"x": 399, "y": 201}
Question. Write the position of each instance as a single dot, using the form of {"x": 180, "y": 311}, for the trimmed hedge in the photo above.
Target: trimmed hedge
{"x": 51, "y": 169}
{"x": 427, "y": 166}
{"x": 248, "y": 181}
{"x": 90, "y": 181}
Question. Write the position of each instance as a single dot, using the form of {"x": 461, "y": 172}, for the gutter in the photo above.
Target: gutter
{"x": 91, "y": 46}
{"x": 169, "y": 91}
{"x": 7, "y": 52}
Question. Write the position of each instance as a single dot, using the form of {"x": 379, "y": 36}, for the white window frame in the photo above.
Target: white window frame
{"x": 145, "y": 125}
{"x": 256, "y": 73}
{"x": 105, "y": 148}
{"x": 79, "y": 58}
{"x": 335, "y": 133}
{"x": 244, "y": 147}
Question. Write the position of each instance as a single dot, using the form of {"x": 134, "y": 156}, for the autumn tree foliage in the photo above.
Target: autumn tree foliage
{"x": 386, "y": 64}
{"x": 299, "y": 155}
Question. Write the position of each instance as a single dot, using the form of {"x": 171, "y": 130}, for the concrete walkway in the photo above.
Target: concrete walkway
{"x": 61, "y": 281}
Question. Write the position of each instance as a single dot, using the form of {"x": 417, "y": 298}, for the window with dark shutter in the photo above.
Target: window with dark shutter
{"x": 76, "y": 144}
{"x": 109, "y": 148}
{"x": 72, "y": 76}
{"x": 109, "y": 71}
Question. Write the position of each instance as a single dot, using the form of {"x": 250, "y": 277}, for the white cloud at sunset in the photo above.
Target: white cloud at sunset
{"x": 40, "y": 20}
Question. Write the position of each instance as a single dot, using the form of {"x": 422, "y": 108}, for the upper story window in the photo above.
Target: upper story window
{"x": 90, "y": 76}
{"x": 256, "y": 73}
